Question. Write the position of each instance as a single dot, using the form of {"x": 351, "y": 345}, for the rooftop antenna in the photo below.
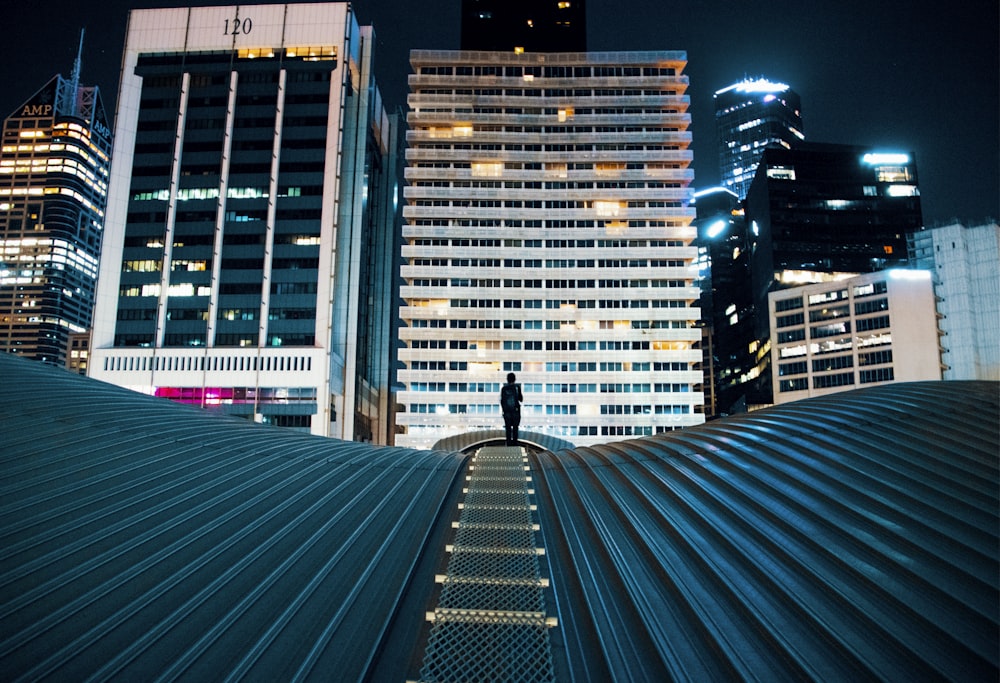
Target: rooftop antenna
{"x": 75, "y": 78}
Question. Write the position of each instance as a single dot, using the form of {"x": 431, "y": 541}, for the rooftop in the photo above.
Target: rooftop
{"x": 847, "y": 537}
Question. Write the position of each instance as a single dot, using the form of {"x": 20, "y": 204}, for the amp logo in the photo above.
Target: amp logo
{"x": 37, "y": 110}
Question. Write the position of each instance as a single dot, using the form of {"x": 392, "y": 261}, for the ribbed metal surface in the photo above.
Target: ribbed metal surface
{"x": 851, "y": 537}
{"x": 140, "y": 539}
{"x": 471, "y": 441}
{"x": 490, "y": 622}
{"x": 847, "y": 538}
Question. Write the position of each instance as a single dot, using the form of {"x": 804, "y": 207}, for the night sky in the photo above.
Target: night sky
{"x": 921, "y": 76}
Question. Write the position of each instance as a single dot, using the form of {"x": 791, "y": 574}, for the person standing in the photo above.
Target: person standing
{"x": 510, "y": 403}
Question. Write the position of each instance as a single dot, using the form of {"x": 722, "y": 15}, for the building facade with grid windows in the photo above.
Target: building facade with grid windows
{"x": 251, "y": 194}
{"x": 848, "y": 333}
{"x": 54, "y": 170}
{"x": 547, "y": 232}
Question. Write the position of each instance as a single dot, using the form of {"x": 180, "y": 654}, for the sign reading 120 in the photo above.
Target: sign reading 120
{"x": 237, "y": 26}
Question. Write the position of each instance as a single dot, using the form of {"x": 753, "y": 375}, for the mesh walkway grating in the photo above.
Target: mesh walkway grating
{"x": 490, "y": 623}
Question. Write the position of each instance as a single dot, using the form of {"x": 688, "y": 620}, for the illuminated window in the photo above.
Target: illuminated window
{"x": 487, "y": 169}
{"x": 609, "y": 209}
{"x": 781, "y": 172}
{"x": 255, "y": 53}
{"x": 462, "y": 130}
{"x": 902, "y": 191}
{"x": 609, "y": 169}
{"x": 557, "y": 170}
{"x": 323, "y": 53}
{"x": 893, "y": 174}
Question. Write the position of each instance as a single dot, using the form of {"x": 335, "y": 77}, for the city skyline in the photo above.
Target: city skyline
{"x": 867, "y": 75}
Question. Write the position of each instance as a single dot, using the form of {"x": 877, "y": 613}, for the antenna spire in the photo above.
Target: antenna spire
{"x": 75, "y": 78}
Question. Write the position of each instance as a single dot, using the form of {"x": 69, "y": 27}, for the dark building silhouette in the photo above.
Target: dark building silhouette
{"x": 726, "y": 301}
{"x": 526, "y": 25}
{"x": 54, "y": 169}
{"x": 820, "y": 209}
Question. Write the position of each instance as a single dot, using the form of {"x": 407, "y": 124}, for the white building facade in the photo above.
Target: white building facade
{"x": 547, "y": 233}
{"x": 965, "y": 261}
{"x": 854, "y": 331}
{"x": 244, "y": 230}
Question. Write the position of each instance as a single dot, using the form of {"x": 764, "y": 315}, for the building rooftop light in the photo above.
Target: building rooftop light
{"x": 761, "y": 85}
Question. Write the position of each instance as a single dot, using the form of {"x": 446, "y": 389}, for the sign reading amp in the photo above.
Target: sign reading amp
{"x": 36, "y": 110}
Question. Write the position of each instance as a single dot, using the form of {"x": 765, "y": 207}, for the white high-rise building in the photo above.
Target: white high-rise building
{"x": 853, "y": 331}
{"x": 965, "y": 261}
{"x": 250, "y": 228}
{"x": 547, "y": 232}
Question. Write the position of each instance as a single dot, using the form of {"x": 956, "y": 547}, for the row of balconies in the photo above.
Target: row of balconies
{"x": 658, "y": 117}
{"x": 654, "y": 213}
{"x": 666, "y": 273}
{"x": 584, "y": 316}
{"x": 418, "y": 101}
{"x": 414, "y": 137}
{"x": 682, "y": 233}
{"x": 688, "y": 253}
{"x": 677, "y": 194}
{"x": 676, "y": 59}
{"x": 536, "y": 116}
{"x": 682, "y": 156}
{"x": 413, "y": 173}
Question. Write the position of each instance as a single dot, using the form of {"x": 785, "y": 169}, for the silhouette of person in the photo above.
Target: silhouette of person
{"x": 510, "y": 403}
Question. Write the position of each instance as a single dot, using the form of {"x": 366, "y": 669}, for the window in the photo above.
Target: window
{"x": 828, "y": 313}
{"x": 831, "y": 330}
{"x": 791, "y": 336}
{"x": 839, "y": 380}
{"x": 870, "y": 289}
{"x": 781, "y": 172}
{"x": 876, "y": 375}
{"x": 871, "y": 306}
{"x": 798, "y": 368}
{"x": 876, "y": 323}
{"x": 832, "y": 363}
{"x": 797, "y": 384}
{"x": 790, "y": 320}
{"x": 875, "y": 358}
{"x": 788, "y": 304}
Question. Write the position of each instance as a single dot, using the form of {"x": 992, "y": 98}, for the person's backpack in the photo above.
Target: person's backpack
{"x": 508, "y": 398}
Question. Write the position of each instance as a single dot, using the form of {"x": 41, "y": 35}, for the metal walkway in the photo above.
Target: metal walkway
{"x": 490, "y": 622}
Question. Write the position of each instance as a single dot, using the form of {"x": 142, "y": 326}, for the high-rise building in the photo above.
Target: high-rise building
{"x": 819, "y": 210}
{"x": 525, "y": 25}
{"x": 749, "y": 116}
{"x": 547, "y": 232}
{"x": 726, "y": 298}
{"x": 54, "y": 164}
{"x": 251, "y": 199}
{"x": 965, "y": 261}
{"x": 841, "y": 334}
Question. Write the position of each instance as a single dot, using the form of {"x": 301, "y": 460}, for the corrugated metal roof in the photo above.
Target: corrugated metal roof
{"x": 142, "y": 539}
{"x": 843, "y": 538}
{"x": 846, "y": 538}
{"x": 496, "y": 437}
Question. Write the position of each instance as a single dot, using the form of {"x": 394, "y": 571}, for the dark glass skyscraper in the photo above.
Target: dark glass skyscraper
{"x": 54, "y": 167}
{"x": 528, "y": 25}
{"x": 252, "y": 197}
{"x": 819, "y": 211}
{"x": 749, "y": 116}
